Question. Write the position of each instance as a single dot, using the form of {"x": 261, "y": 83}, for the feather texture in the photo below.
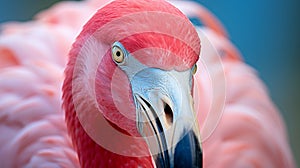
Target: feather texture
{"x": 248, "y": 133}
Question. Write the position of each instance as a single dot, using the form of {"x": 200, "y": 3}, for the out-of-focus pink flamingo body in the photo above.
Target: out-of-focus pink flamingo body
{"x": 32, "y": 127}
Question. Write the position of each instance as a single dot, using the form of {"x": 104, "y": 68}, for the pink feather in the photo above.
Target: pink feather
{"x": 250, "y": 131}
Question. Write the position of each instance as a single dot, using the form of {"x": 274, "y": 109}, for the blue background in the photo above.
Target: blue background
{"x": 265, "y": 31}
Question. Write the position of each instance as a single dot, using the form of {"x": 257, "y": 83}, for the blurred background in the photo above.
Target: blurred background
{"x": 266, "y": 32}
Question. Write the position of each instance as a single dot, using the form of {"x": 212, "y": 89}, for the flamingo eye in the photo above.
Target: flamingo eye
{"x": 194, "y": 69}
{"x": 117, "y": 54}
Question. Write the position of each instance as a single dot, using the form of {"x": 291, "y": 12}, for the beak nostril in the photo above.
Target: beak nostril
{"x": 168, "y": 113}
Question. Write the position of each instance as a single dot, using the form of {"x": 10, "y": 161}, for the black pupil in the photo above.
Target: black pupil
{"x": 118, "y": 53}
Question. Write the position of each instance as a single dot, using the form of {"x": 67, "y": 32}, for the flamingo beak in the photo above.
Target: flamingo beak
{"x": 166, "y": 118}
{"x": 165, "y": 115}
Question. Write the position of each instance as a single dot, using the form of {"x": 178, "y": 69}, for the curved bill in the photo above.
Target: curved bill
{"x": 165, "y": 113}
{"x": 166, "y": 117}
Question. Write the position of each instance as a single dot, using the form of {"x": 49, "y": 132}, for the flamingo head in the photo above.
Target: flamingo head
{"x": 133, "y": 63}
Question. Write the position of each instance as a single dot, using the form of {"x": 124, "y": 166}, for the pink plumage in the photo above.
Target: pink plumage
{"x": 250, "y": 131}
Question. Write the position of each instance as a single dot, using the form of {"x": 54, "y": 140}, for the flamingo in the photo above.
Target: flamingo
{"x": 135, "y": 92}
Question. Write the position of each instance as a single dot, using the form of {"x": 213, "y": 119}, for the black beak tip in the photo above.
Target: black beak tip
{"x": 188, "y": 152}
